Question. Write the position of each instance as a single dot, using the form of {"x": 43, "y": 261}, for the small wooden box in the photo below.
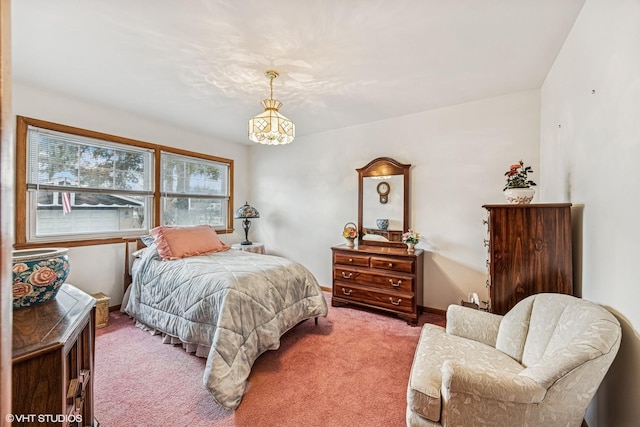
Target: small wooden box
{"x": 102, "y": 309}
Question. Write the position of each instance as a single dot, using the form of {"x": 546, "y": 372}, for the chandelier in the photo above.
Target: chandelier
{"x": 270, "y": 127}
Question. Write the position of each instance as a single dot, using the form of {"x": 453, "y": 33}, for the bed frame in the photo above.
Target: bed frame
{"x": 127, "y": 268}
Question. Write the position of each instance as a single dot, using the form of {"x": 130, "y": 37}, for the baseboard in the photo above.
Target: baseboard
{"x": 114, "y": 307}
{"x": 433, "y": 310}
{"x": 326, "y": 289}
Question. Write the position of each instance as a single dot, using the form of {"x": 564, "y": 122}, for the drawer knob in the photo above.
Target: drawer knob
{"x": 390, "y": 264}
{"x": 344, "y": 291}
{"x": 347, "y": 276}
{"x": 395, "y": 302}
{"x": 395, "y": 285}
{"x": 350, "y": 259}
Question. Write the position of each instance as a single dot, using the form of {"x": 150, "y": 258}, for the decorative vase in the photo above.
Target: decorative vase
{"x": 411, "y": 247}
{"x": 351, "y": 243}
{"x": 519, "y": 196}
{"x": 38, "y": 275}
{"x": 382, "y": 224}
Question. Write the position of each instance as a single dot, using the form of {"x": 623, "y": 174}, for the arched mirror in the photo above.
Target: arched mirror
{"x": 383, "y": 202}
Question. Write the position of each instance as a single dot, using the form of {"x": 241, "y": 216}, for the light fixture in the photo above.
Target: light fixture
{"x": 270, "y": 127}
{"x": 245, "y": 212}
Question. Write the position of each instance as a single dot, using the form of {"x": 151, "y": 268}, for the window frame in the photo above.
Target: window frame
{"x": 21, "y": 193}
{"x": 166, "y": 194}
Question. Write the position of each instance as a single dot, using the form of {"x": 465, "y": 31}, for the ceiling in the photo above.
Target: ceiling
{"x": 199, "y": 64}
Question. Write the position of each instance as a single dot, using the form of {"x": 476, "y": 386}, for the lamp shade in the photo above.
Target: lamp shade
{"x": 247, "y": 211}
{"x": 270, "y": 127}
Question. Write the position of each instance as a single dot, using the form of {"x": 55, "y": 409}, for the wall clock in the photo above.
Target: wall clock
{"x": 383, "y": 190}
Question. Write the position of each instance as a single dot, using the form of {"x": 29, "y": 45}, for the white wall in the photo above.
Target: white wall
{"x": 590, "y": 149}
{"x": 101, "y": 268}
{"x": 307, "y": 191}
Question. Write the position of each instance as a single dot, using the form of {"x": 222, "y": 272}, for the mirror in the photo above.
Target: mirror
{"x": 383, "y": 202}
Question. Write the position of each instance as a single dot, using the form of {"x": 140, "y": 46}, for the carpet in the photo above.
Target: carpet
{"x": 351, "y": 369}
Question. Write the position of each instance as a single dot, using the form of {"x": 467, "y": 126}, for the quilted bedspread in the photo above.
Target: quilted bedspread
{"x": 237, "y": 303}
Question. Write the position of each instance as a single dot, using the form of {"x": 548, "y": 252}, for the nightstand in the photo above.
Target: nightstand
{"x": 257, "y": 248}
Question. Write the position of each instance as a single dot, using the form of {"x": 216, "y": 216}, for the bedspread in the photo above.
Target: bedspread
{"x": 237, "y": 303}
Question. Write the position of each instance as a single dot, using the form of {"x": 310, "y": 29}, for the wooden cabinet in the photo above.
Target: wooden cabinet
{"x": 53, "y": 353}
{"x": 529, "y": 252}
{"x": 384, "y": 278}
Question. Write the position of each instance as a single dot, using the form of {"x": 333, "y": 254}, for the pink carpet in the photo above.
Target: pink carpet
{"x": 349, "y": 370}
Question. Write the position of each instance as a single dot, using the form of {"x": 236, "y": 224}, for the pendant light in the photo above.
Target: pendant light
{"x": 270, "y": 127}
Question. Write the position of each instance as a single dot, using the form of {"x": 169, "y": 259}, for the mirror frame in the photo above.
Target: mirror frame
{"x": 382, "y": 166}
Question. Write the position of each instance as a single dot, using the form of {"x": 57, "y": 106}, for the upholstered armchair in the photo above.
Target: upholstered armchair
{"x": 538, "y": 365}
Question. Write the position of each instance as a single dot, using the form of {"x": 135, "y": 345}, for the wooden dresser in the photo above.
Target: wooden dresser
{"x": 529, "y": 252}
{"x": 53, "y": 353}
{"x": 384, "y": 278}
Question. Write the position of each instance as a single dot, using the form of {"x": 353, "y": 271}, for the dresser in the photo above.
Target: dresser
{"x": 530, "y": 252}
{"x": 384, "y": 278}
{"x": 53, "y": 354}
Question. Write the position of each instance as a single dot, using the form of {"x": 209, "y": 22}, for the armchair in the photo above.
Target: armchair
{"x": 538, "y": 365}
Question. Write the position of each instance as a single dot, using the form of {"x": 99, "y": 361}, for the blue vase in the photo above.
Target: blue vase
{"x": 38, "y": 275}
{"x": 382, "y": 224}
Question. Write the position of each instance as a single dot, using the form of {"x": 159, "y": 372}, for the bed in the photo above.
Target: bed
{"x": 229, "y": 306}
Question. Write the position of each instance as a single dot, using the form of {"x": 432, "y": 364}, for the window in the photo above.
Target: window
{"x": 193, "y": 191}
{"x": 78, "y": 186}
{"x": 82, "y": 187}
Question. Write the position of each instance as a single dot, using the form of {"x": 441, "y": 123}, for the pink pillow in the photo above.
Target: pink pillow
{"x": 182, "y": 242}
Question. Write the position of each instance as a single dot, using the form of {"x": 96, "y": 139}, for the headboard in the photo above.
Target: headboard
{"x": 127, "y": 268}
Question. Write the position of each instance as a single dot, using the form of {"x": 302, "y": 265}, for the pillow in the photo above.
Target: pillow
{"x": 181, "y": 242}
{"x": 138, "y": 253}
{"x": 147, "y": 240}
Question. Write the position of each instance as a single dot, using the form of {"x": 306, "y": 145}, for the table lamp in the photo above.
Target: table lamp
{"x": 245, "y": 212}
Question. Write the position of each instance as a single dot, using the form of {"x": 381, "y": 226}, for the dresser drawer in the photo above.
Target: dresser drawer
{"x": 349, "y": 259}
{"x": 394, "y": 264}
{"x": 369, "y": 279}
{"x": 391, "y": 301}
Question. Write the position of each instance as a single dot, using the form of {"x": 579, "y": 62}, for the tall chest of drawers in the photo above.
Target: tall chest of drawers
{"x": 530, "y": 252}
{"x": 53, "y": 355}
{"x": 383, "y": 278}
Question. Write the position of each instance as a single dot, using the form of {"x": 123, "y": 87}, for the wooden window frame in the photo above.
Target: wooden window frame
{"x": 21, "y": 181}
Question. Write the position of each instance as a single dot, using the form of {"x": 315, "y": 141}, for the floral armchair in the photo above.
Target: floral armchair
{"x": 538, "y": 365}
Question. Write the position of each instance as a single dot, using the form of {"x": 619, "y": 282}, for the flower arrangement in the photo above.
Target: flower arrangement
{"x": 517, "y": 176}
{"x": 411, "y": 237}
{"x": 350, "y": 231}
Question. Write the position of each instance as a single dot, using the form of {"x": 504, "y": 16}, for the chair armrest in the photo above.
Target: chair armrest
{"x": 473, "y": 324}
{"x": 491, "y": 385}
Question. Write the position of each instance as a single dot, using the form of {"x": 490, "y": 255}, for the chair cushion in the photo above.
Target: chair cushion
{"x": 584, "y": 332}
{"x": 434, "y": 348}
{"x": 545, "y": 315}
{"x": 513, "y": 330}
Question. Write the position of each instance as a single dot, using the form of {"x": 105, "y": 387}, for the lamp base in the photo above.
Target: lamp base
{"x": 246, "y": 224}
